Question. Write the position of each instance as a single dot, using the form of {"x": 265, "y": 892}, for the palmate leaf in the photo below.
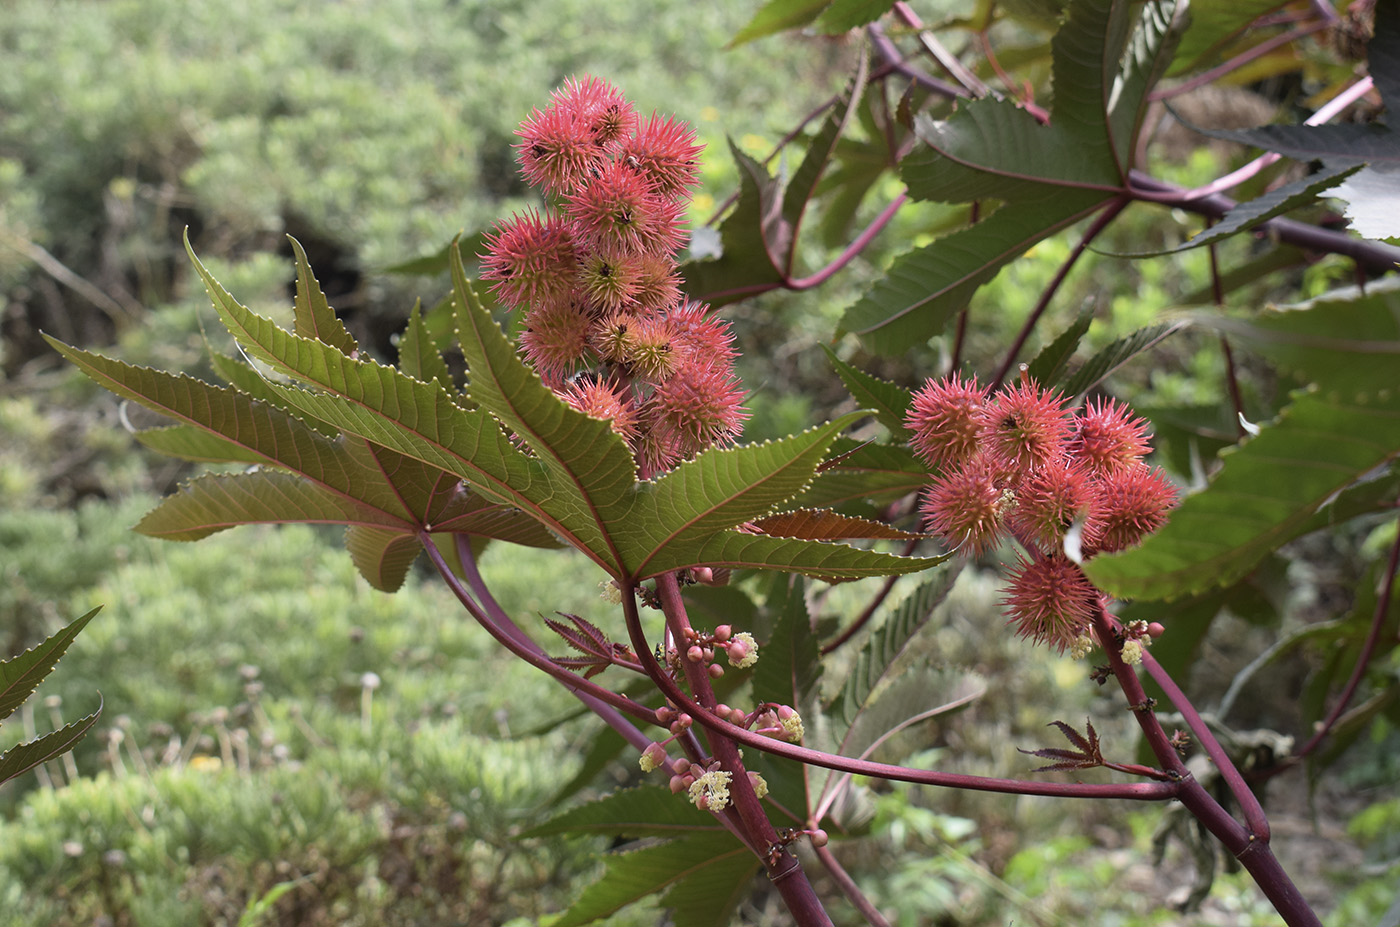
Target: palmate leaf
{"x": 745, "y": 262}
{"x": 21, "y": 758}
{"x": 889, "y": 401}
{"x": 1105, "y": 58}
{"x": 887, "y": 641}
{"x": 883, "y": 472}
{"x": 927, "y": 287}
{"x": 706, "y": 874}
{"x": 580, "y": 483}
{"x": 313, "y": 315}
{"x": 1275, "y": 486}
{"x": 21, "y": 674}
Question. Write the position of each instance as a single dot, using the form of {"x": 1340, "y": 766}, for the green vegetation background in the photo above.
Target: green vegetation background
{"x": 282, "y": 745}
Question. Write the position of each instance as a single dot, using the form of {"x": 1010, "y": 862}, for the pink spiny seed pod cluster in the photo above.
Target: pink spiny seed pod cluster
{"x": 1018, "y": 463}
{"x": 605, "y": 323}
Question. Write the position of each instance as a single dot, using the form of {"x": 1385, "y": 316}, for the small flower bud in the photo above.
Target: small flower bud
{"x": 652, "y": 757}
{"x": 742, "y": 650}
{"x": 723, "y": 633}
{"x": 715, "y": 670}
{"x": 678, "y": 784}
{"x": 696, "y": 654}
{"x": 818, "y": 837}
{"x": 1155, "y": 629}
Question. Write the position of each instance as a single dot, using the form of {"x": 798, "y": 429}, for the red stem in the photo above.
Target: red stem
{"x": 1240, "y": 60}
{"x": 1253, "y": 852}
{"x": 849, "y": 888}
{"x": 1100, "y": 222}
{"x": 604, "y": 702}
{"x": 1144, "y": 791}
{"x": 783, "y": 868}
{"x": 1367, "y": 650}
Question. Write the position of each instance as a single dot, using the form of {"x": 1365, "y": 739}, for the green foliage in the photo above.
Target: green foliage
{"x": 19, "y": 677}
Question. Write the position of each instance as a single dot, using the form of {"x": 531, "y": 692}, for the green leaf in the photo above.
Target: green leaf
{"x": 1213, "y": 23}
{"x": 1266, "y": 494}
{"x": 803, "y": 184}
{"x": 190, "y": 442}
{"x": 717, "y": 860}
{"x": 1115, "y": 355}
{"x": 647, "y": 811}
{"x": 21, "y": 758}
{"x": 418, "y": 354}
{"x": 217, "y": 501}
{"x": 21, "y": 674}
{"x": 845, "y": 15}
{"x": 745, "y": 264}
{"x": 927, "y": 287}
{"x": 1051, "y": 361}
{"x": 826, "y": 525}
{"x": 887, "y": 641}
{"x": 382, "y": 555}
{"x": 314, "y": 316}
{"x": 870, "y": 471}
{"x": 1345, "y": 340}
{"x": 262, "y": 432}
{"x": 889, "y": 401}
{"x": 709, "y": 898}
{"x": 788, "y": 672}
{"x": 1261, "y": 209}
{"x": 778, "y": 16}
{"x": 993, "y": 149}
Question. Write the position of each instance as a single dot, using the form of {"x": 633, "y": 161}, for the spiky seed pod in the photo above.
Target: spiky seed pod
{"x": 619, "y": 214}
{"x": 964, "y": 506}
{"x": 1048, "y": 501}
{"x": 658, "y": 284}
{"x": 944, "y": 419}
{"x": 701, "y": 334}
{"x": 555, "y": 339}
{"x": 1024, "y": 427}
{"x": 1127, "y": 505}
{"x": 604, "y": 400}
{"x": 1050, "y": 601}
{"x": 610, "y": 280}
{"x": 1107, "y": 437}
{"x": 664, "y": 149}
{"x": 531, "y": 259}
{"x": 703, "y": 403}
{"x": 650, "y": 349}
{"x": 557, "y": 150}
{"x": 599, "y": 106}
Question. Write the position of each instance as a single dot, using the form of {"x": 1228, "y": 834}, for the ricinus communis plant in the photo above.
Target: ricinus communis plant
{"x": 611, "y": 426}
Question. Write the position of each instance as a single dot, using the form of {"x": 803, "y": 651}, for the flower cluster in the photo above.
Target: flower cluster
{"x": 605, "y": 323}
{"x": 1066, "y": 486}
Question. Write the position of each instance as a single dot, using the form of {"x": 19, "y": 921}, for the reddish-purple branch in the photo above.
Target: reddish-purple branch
{"x": 1100, "y": 222}
{"x": 1363, "y": 661}
{"x": 1146, "y": 791}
